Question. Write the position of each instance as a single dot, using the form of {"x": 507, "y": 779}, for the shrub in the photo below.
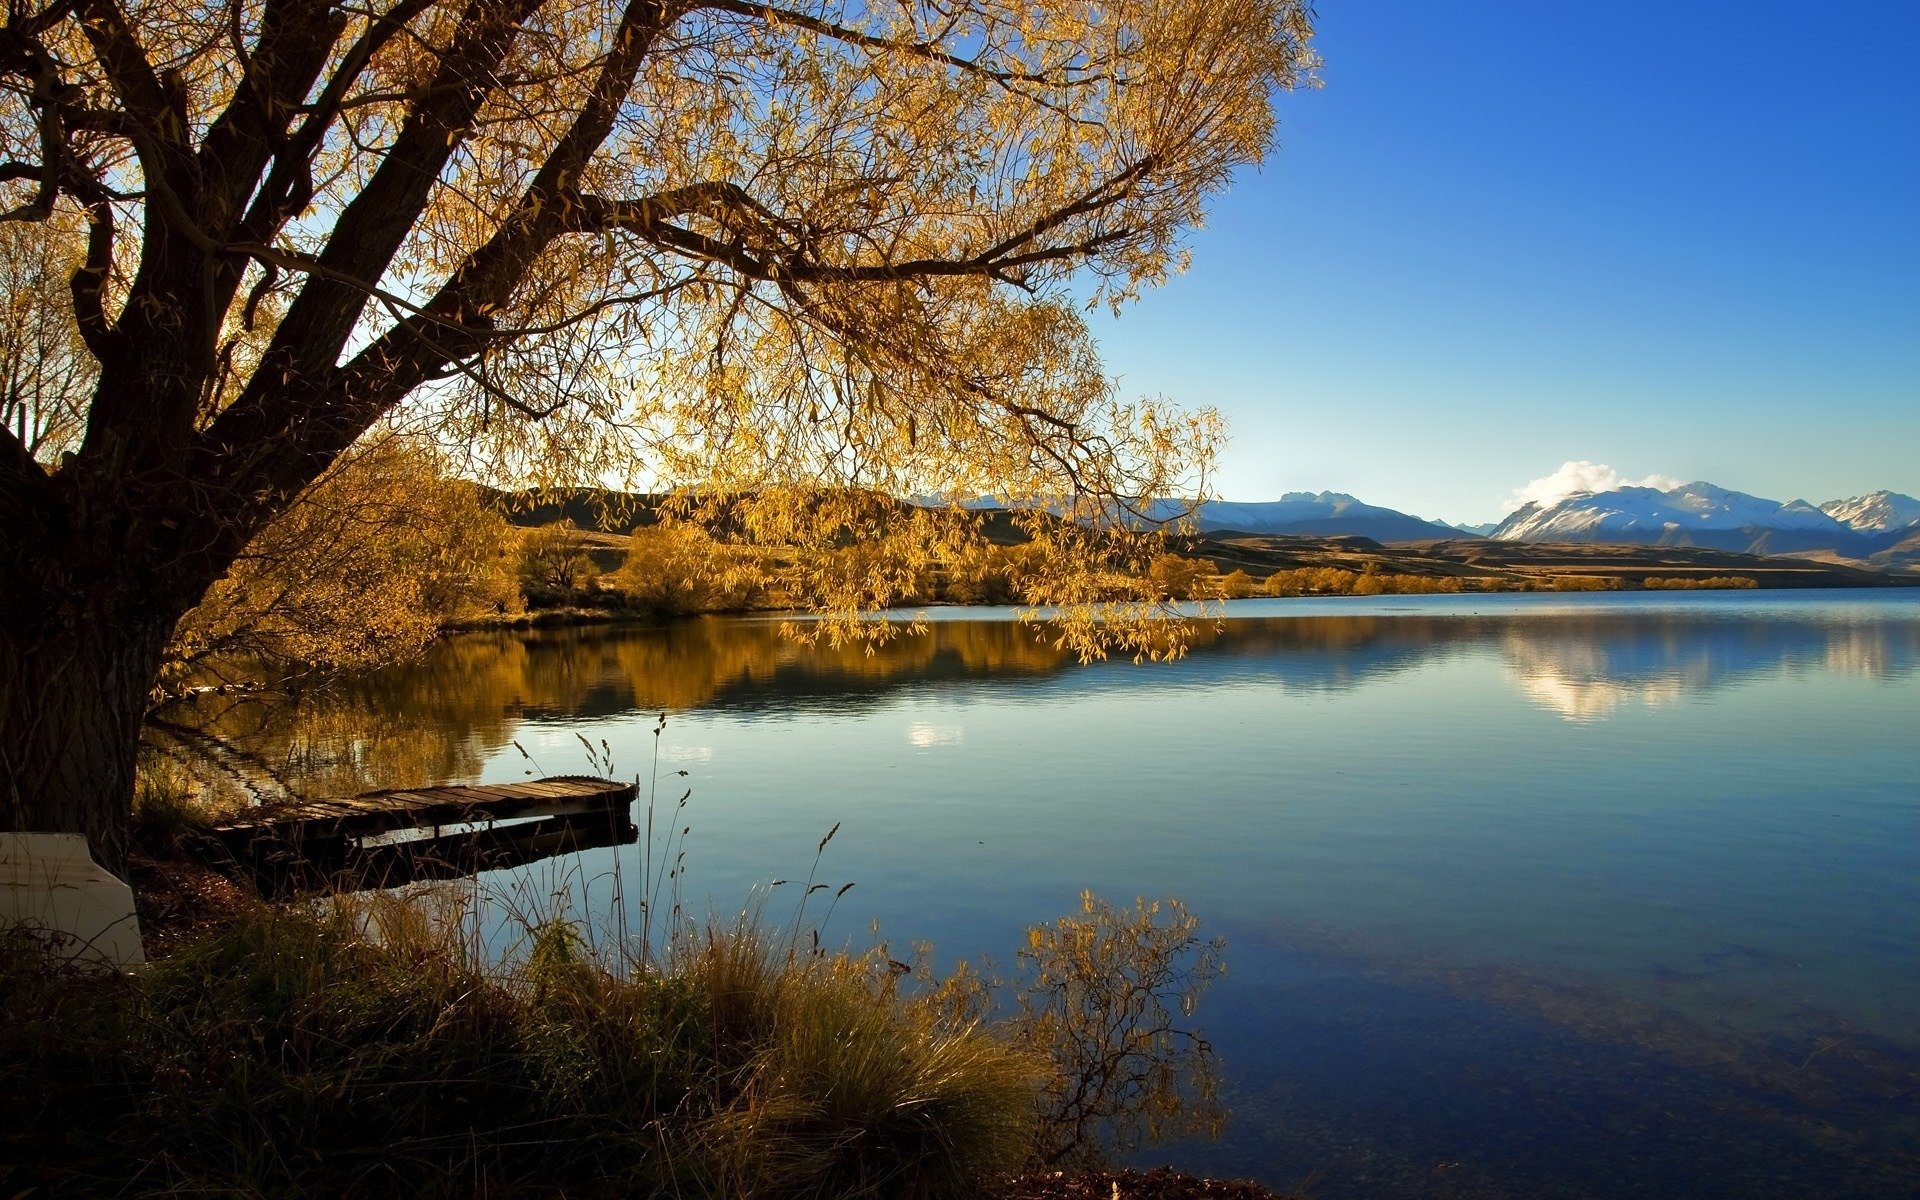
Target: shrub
{"x": 1710, "y": 582}
{"x": 1584, "y": 583}
{"x": 989, "y": 574}
{"x": 554, "y": 561}
{"x": 1177, "y": 577}
{"x": 362, "y": 570}
{"x": 677, "y": 568}
{"x": 1099, "y": 994}
{"x": 362, "y": 1048}
{"x": 1332, "y": 581}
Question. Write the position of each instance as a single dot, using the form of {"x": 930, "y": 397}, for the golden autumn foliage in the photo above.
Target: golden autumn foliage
{"x": 364, "y": 569}
{"x": 1332, "y": 581}
{"x": 676, "y": 567}
{"x": 803, "y": 259}
{"x": 986, "y": 573}
{"x": 1236, "y": 585}
{"x": 1584, "y": 583}
{"x": 1177, "y": 577}
{"x": 554, "y": 560}
{"x": 1678, "y": 583}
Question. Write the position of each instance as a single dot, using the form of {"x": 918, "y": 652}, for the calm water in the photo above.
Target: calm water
{"x": 1524, "y": 895}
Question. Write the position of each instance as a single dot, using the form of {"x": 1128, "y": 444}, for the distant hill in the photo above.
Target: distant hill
{"x": 1489, "y": 565}
{"x": 588, "y": 508}
{"x": 1312, "y": 514}
{"x": 1903, "y": 554}
{"x": 1879, "y": 531}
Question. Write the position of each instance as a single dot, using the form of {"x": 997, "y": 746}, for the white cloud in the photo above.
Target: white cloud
{"x": 1575, "y": 477}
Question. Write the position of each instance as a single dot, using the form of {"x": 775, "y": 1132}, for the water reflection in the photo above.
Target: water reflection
{"x": 1490, "y": 924}
{"x": 439, "y": 719}
{"x": 1586, "y": 669}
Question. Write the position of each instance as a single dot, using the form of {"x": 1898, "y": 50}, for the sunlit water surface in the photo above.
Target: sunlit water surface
{"x": 1523, "y": 895}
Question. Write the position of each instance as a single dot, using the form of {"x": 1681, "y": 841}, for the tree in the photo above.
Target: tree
{"x": 774, "y": 250}
{"x": 46, "y": 372}
{"x": 361, "y": 570}
{"x": 555, "y": 560}
{"x": 679, "y": 567}
{"x": 1177, "y": 577}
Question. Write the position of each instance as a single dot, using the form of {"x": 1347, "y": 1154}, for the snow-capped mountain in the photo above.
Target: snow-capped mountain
{"x": 1694, "y": 514}
{"x": 1315, "y": 514}
{"x": 1873, "y": 527}
{"x": 1875, "y": 512}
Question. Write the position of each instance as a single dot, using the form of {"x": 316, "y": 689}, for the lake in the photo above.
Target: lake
{"x": 1524, "y": 895}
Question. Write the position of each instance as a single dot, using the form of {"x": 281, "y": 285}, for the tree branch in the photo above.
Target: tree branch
{"x": 300, "y": 410}
{"x": 777, "y": 15}
{"x": 295, "y": 39}
{"x": 89, "y": 281}
{"x": 156, "y": 121}
{"x": 372, "y": 228}
{"x": 289, "y": 183}
{"x": 650, "y": 218}
{"x": 16, "y": 461}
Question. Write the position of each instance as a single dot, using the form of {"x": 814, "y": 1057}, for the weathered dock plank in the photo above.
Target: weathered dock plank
{"x": 410, "y": 808}
{"x": 312, "y": 845}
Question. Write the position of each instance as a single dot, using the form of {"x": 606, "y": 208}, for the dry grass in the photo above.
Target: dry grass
{"x": 460, "y": 1041}
{"x": 361, "y": 1050}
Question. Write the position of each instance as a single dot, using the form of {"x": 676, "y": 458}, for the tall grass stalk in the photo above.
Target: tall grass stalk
{"x": 481, "y": 1038}
{"x": 358, "y": 1049}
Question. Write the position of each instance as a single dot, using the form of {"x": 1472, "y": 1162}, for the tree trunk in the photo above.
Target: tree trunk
{"x": 74, "y": 687}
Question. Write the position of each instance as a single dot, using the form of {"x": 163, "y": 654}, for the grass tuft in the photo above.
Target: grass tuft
{"x": 359, "y": 1050}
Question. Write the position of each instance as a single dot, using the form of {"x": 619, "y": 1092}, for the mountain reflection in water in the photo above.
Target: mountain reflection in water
{"x": 437, "y": 720}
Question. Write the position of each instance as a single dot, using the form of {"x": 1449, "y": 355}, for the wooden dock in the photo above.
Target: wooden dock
{"x": 322, "y": 845}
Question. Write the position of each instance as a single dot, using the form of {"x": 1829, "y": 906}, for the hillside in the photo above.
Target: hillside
{"x": 1481, "y": 563}
{"x": 597, "y": 509}
{"x": 1316, "y": 514}
{"x": 1476, "y": 562}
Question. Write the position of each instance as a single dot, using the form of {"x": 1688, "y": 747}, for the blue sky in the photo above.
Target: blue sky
{"x": 1678, "y": 239}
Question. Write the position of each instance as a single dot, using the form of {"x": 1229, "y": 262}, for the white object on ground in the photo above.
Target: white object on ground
{"x": 50, "y": 883}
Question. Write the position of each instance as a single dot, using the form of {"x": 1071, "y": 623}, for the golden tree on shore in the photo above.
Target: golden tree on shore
{"x": 809, "y": 254}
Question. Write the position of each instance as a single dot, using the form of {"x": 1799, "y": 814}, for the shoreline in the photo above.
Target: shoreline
{"x": 581, "y": 617}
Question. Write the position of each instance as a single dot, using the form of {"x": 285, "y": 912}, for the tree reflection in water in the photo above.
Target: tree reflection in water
{"x": 437, "y": 720}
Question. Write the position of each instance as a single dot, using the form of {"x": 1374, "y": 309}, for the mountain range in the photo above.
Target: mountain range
{"x": 1882, "y": 528}
{"x": 1875, "y": 512}
{"x": 1315, "y": 514}
{"x": 1705, "y": 515}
